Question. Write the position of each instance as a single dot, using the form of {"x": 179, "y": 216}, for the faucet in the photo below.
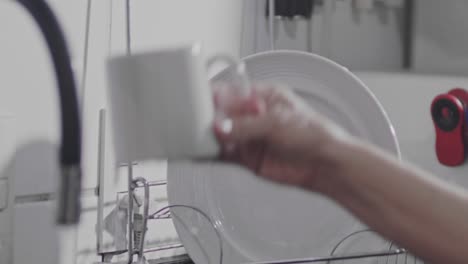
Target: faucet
{"x": 69, "y": 205}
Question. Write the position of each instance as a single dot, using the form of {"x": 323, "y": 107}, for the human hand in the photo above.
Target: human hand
{"x": 276, "y": 135}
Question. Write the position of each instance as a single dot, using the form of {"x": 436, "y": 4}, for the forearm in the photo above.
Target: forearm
{"x": 417, "y": 211}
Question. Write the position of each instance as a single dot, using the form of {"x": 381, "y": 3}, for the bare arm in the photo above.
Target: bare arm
{"x": 275, "y": 135}
{"x": 416, "y": 210}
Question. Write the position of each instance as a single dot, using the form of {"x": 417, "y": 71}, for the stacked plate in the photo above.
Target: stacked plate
{"x": 261, "y": 221}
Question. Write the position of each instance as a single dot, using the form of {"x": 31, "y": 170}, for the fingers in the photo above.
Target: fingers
{"x": 248, "y": 119}
{"x": 228, "y": 101}
{"x": 250, "y": 155}
{"x": 243, "y": 129}
{"x": 231, "y": 104}
{"x": 279, "y": 94}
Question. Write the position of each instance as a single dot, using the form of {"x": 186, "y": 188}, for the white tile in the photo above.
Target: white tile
{"x": 86, "y": 248}
{"x": 4, "y": 194}
{"x": 7, "y": 152}
{"x": 35, "y": 234}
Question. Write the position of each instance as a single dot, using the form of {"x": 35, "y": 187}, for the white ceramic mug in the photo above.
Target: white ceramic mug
{"x": 161, "y": 104}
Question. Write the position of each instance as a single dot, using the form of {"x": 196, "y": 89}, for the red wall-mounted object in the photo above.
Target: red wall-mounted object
{"x": 448, "y": 115}
{"x": 462, "y": 95}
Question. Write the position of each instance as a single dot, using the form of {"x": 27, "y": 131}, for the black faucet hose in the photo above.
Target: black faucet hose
{"x": 70, "y": 147}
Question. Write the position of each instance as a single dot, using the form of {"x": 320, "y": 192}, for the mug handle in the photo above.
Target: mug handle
{"x": 243, "y": 80}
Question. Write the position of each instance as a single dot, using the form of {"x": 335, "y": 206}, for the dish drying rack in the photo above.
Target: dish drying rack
{"x": 138, "y": 226}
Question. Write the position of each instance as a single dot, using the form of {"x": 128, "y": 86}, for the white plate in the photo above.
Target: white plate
{"x": 260, "y": 220}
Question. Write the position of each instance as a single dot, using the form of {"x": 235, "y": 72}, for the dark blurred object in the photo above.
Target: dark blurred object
{"x": 69, "y": 202}
{"x": 182, "y": 259}
{"x": 408, "y": 32}
{"x": 292, "y": 9}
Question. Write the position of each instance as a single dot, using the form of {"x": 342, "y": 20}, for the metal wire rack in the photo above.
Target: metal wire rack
{"x": 391, "y": 255}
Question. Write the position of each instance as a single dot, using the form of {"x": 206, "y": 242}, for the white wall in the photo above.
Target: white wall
{"x": 371, "y": 40}
{"x": 441, "y": 37}
{"x": 407, "y": 99}
{"x": 360, "y": 39}
{"x": 28, "y": 94}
